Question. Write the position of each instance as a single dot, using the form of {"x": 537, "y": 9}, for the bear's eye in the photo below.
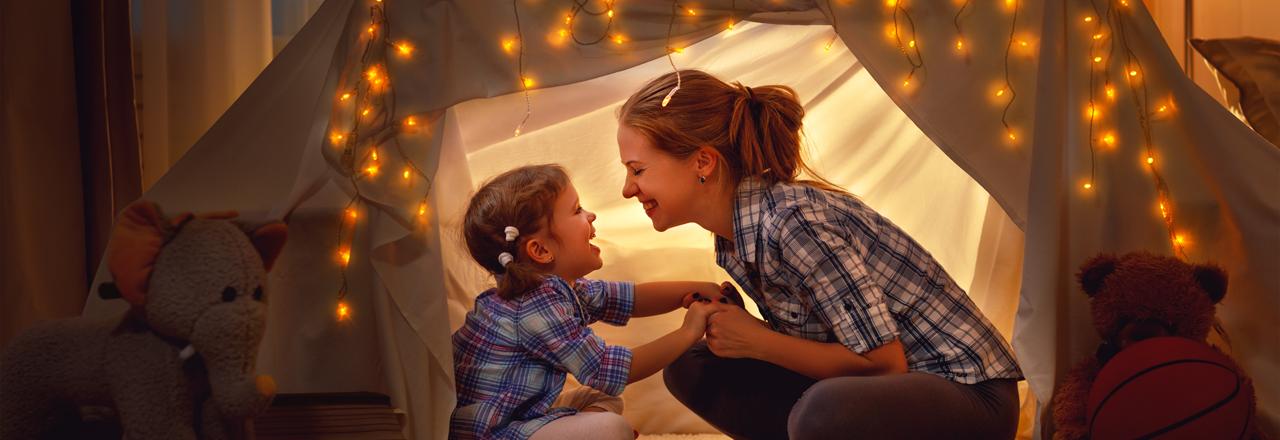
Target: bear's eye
{"x": 257, "y": 293}
{"x": 229, "y": 294}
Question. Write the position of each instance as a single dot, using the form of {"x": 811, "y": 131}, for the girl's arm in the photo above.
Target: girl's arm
{"x": 654, "y": 356}
{"x": 661, "y": 297}
{"x": 733, "y": 333}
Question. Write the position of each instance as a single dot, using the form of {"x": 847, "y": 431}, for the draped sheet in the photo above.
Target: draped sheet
{"x": 267, "y": 157}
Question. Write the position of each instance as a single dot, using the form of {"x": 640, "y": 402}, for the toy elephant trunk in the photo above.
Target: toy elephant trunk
{"x": 226, "y": 338}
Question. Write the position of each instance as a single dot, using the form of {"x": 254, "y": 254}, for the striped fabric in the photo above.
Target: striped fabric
{"x": 825, "y": 267}
{"x": 511, "y": 357}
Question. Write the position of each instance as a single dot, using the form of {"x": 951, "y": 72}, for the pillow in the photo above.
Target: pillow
{"x": 1253, "y": 66}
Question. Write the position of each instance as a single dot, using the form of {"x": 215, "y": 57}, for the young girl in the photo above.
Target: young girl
{"x": 527, "y": 228}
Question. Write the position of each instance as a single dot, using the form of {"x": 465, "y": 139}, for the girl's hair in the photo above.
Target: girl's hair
{"x": 524, "y": 198}
{"x": 755, "y": 129}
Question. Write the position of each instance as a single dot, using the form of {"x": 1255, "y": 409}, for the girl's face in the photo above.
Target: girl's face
{"x": 572, "y": 231}
{"x": 665, "y": 185}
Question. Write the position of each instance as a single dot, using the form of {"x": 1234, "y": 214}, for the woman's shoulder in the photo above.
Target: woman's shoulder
{"x": 799, "y": 202}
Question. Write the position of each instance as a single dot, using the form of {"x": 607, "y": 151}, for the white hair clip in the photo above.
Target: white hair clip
{"x": 512, "y": 233}
{"x": 505, "y": 258}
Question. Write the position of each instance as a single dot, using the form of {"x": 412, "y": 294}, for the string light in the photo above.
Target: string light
{"x": 1150, "y": 160}
{"x": 406, "y": 174}
{"x": 344, "y": 312}
{"x": 507, "y": 45}
{"x": 1088, "y": 185}
{"x": 344, "y": 256}
{"x": 344, "y": 97}
{"x": 351, "y": 213}
{"x": 373, "y": 153}
{"x": 405, "y": 49}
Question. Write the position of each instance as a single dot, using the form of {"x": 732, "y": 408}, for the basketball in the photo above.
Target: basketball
{"x": 1169, "y": 387}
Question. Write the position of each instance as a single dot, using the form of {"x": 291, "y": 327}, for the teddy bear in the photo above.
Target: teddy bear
{"x": 1134, "y": 297}
{"x": 180, "y": 363}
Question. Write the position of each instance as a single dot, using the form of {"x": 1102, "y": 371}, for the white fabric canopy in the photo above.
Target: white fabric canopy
{"x": 269, "y": 157}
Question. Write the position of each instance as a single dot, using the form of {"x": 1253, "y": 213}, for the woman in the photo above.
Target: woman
{"x": 865, "y": 335}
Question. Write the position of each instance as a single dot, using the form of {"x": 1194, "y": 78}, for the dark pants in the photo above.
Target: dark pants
{"x": 752, "y": 399}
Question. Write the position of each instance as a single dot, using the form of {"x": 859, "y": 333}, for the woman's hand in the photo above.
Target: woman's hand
{"x": 724, "y": 293}
{"x": 734, "y": 333}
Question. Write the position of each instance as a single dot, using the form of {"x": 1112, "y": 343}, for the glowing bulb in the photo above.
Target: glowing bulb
{"x": 422, "y": 208}
{"x": 1097, "y": 59}
{"x": 345, "y": 256}
{"x": 1151, "y": 160}
{"x": 691, "y": 12}
{"x": 891, "y": 3}
{"x": 337, "y": 138}
{"x": 959, "y": 44}
{"x": 1097, "y": 36}
{"x": 1009, "y": 3}
{"x": 1092, "y": 111}
{"x": 344, "y": 97}
{"x": 564, "y": 33}
{"x": 410, "y": 121}
{"x": 1109, "y": 139}
{"x": 365, "y": 112}
{"x": 906, "y": 83}
{"x": 617, "y": 39}
{"x": 610, "y": 13}
{"x": 1133, "y": 73}
{"x": 1088, "y": 185}
{"x": 1023, "y": 43}
{"x": 406, "y": 174}
{"x": 351, "y": 212}
{"x": 911, "y": 43}
{"x": 372, "y": 170}
{"x": 730, "y": 26}
{"x": 344, "y": 312}
{"x": 827, "y": 47}
{"x": 1111, "y": 92}
{"x": 677, "y": 49}
{"x": 1012, "y": 136}
{"x": 508, "y": 44}
{"x": 404, "y": 48}
{"x": 372, "y": 73}
{"x": 1088, "y": 18}
{"x": 999, "y": 93}
{"x": 1179, "y": 239}
{"x": 374, "y": 154}
{"x": 372, "y": 29}
{"x": 528, "y": 82}
{"x": 1162, "y": 109}
{"x": 568, "y": 19}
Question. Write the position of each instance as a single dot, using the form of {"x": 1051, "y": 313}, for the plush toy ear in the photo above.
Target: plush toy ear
{"x": 135, "y": 244}
{"x": 1095, "y": 271}
{"x": 1212, "y": 279}
{"x": 269, "y": 241}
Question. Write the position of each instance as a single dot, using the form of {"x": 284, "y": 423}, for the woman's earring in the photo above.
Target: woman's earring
{"x": 702, "y": 179}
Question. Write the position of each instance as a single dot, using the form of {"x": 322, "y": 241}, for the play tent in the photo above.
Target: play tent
{"x": 987, "y": 130}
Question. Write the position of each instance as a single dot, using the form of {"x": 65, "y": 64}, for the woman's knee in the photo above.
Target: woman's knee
{"x": 685, "y": 374}
{"x": 815, "y": 414}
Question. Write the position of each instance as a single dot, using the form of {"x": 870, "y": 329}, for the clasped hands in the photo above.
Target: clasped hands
{"x": 720, "y": 316}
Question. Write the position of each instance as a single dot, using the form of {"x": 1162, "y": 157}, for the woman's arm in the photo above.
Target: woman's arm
{"x": 661, "y": 297}
{"x": 731, "y": 332}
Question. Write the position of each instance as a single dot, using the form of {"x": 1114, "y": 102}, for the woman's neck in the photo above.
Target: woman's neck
{"x": 718, "y": 215}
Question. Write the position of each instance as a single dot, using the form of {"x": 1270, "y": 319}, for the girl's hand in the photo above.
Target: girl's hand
{"x": 734, "y": 333}
{"x": 695, "y": 320}
{"x": 724, "y": 293}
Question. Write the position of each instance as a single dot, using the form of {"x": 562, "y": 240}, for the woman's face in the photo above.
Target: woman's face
{"x": 665, "y": 185}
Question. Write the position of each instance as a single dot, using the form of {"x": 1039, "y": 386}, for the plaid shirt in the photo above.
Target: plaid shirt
{"x": 511, "y": 356}
{"x": 823, "y": 266}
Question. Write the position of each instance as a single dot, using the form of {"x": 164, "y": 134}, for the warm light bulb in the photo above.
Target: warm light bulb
{"x": 374, "y": 154}
{"x": 406, "y": 174}
{"x": 1092, "y": 111}
{"x": 422, "y": 208}
{"x": 1088, "y": 185}
{"x": 617, "y": 39}
{"x": 344, "y": 312}
{"x": 508, "y": 44}
{"x": 1111, "y": 92}
{"x": 345, "y": 256}
{"x": 1012, "y": 136}
{"x": 1097, "y": 59}
{"x": 959, "y": 44}
{"x": 610, "y": 13}
{"x": 1179, "y": 239}
{"x": 372, "y": 29}
{"x": 528, "y": 82}
{"x": 911, "y": 43}
{"x": 344, "y": 97}
{"x": 1023, "y": 43}
{"x": 730, "y": 26}
{"x": 891, "y": 3}
{"x": 1088, "y": 18}
{"x": 351, "y": 213}
{"x": 365, "y": 112}
{"x": 1163, "y": 108}
{"x": 410, "y": 121}
{"x": 691, "y": 12}
{"x": 999, "y": 93}
{"x": 1097, "y": 36}
{"x": 372, "y": 73}
{"x": 372, "y": 170}
{"x": 1109, "y": 139}
{"x": 827, "y": 47}
{"x": 1151, "y": 160}
{"x": 1133, "y": 73}
{"x": 404, "y": 48}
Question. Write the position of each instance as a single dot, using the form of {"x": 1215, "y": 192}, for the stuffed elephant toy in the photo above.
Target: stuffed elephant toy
{"x": 180, "y": 363}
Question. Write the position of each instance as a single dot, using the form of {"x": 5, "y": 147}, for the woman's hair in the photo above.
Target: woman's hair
{"x": 755, "y": 129}
{"x": 525, "y": 199}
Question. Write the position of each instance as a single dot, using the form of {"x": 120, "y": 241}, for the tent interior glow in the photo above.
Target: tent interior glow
{"x": 855, "y": 136}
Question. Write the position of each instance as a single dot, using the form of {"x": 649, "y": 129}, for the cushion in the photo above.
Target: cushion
{"x": 1252, "y": 65}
